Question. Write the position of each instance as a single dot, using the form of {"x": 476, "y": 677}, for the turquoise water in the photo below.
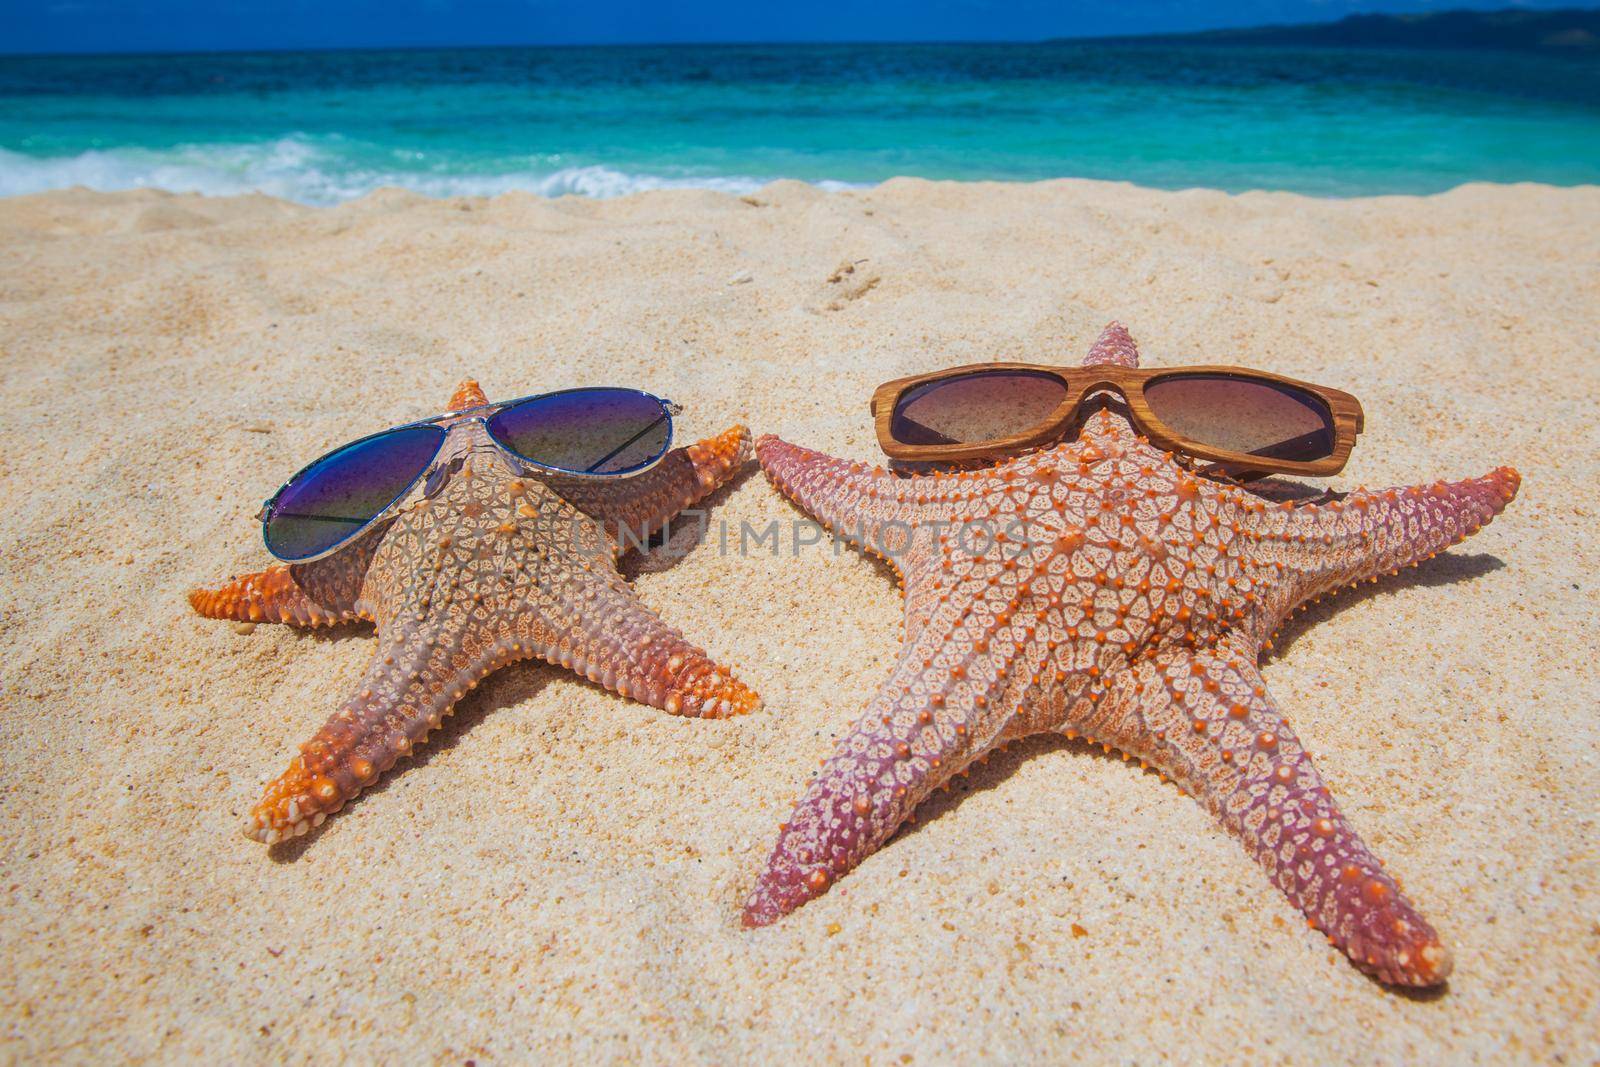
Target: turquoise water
{"x": 325, "y": 127}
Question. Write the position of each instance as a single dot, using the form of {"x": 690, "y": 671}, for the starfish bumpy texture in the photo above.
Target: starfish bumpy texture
{"x": 492, "y": 566}
{"x": 1130, "y": 610}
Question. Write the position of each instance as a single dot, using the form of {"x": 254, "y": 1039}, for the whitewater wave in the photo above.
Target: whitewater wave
{"x": 296, "y": 169}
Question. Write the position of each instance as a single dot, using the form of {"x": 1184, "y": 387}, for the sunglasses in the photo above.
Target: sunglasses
{"x": 1246, "y": 421}
{"x": 588, "y": 433}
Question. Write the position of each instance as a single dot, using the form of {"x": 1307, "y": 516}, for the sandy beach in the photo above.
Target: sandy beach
{"x": 557, "y": 875}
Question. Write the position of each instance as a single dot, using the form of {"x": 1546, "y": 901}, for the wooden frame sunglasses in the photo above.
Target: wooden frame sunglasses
{"x": 1197, "y": 411}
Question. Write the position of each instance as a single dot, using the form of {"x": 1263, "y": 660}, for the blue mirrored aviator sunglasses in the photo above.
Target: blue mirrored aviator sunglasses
{"x": 587, "y": 433}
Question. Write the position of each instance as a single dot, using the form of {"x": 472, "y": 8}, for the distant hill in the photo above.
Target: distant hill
{"x": 1571, "y": 31}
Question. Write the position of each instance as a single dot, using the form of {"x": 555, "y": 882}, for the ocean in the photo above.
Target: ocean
{"x": 323, "y": 127}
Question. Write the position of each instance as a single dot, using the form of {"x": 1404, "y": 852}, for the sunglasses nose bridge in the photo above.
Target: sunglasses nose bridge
{"x": 1088, "y": 385}
{"x": 1088, "y": 392}
{"x": 463, "y": 436}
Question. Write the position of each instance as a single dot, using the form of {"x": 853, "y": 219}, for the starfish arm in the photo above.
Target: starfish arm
{"x": 1323, "y": 547}
{"x": 872, "y": 782}
{"x": 320, "y": 593}
{"x": 1115, "y": 348}
{"x": 597, "y": 626}
{"x": 430, "y": 655}
{"x": 955, "y": 693}
{"x": 277, "y": 595}
{"x": 1205, "y": 719}
{"x": 632, "y": 509}
{"x": 415, "y": 679}
{"x": 868, "y": 507}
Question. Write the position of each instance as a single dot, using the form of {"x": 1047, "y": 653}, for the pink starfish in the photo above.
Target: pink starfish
{"x": 1125, "y": 600}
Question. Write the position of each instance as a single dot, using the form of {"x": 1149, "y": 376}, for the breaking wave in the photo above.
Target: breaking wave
{"x": 296, "y": 169}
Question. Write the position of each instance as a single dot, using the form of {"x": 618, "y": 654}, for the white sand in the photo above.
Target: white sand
{"x": 560, "y": 873}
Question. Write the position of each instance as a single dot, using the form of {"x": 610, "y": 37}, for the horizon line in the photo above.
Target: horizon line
{"x": 567, "y": 44}
{"x": 1052, "y": 38}
{"x": 1055, "y": 38}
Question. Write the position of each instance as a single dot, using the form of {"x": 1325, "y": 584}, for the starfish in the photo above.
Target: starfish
{"x": 491, "y": 566}
{"x": 1099, "y": 589}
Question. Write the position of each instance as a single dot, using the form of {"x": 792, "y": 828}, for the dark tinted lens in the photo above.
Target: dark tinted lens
{"x": 586, "y": 431}
{"x": 332, "y": 499}
{"x": 977, "y": 407}
{"x": 1248, "y": 415}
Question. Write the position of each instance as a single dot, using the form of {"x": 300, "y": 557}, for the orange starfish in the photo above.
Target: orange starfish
{"x": 493, "y": 566}
{"x": 1099, "y": 589}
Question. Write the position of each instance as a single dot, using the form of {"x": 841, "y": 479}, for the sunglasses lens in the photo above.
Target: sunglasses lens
{"x": 977, "y": 407}
{"x": 1249, "y": 415}
{"x": 586, "y": 431}
{"x": 331, "y": 500}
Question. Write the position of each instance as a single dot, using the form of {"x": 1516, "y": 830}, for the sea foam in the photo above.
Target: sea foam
{"x": 295, "y": 168}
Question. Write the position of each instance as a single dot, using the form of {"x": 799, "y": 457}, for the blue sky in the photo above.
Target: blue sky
{"x": 204, "y": 25}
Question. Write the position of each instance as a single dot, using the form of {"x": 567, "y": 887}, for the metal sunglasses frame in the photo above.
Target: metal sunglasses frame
{"x": 447, "y": 421}
{"x": 1344, "y": 412}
